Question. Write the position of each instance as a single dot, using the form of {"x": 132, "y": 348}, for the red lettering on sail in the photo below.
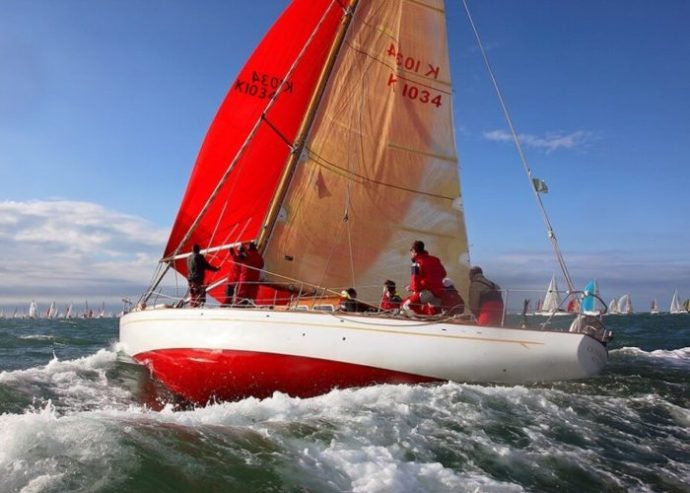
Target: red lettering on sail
{"x": 433, "y": 71}
{"x": 263, "y": 85}
{"x": 412, "y": 64}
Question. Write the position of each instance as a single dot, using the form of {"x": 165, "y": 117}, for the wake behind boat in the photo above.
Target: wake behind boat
{"x": 334, "y": 150}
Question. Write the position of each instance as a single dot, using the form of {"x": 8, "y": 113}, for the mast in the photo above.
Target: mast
{"x": 309, "y": 115}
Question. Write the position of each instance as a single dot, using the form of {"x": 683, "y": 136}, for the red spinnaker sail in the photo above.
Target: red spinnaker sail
{"x": 241, "y": 205}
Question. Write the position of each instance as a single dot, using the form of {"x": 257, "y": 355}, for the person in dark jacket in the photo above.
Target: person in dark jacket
{"x": 197, "y": 265}
{"x": 348, "y": 301}
{"x": 390, "y": 300}
{"x": 426, "y": 281}
{"x": 486, "y": 301}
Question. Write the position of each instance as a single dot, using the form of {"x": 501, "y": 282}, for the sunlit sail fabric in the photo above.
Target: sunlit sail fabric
{"x": 552, "y": 301}
{"x": 240, "y": 207}
{"x": 380, "y": 166}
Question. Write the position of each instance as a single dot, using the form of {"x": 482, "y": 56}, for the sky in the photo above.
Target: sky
{"x": 104, "y": 104}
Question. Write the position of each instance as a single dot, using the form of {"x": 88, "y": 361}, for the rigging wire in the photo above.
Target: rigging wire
{"x": 516, "y": 140}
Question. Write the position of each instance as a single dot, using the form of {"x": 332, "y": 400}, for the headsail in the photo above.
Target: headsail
{"x": 380, "y": 167}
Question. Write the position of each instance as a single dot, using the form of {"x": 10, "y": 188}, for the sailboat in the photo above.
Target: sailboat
{"x": 676, "y": 308}
{"x": 33, "y": 309}
{"x": 613, "y": 307}
{"x": 52, "y": 311}
{"x": 589, "y": 301}
{"x": 654, "y": 308}
{"x": 551, "y": 306}
{"x": 625, "y": 305}
{"x": 333, "y": 151}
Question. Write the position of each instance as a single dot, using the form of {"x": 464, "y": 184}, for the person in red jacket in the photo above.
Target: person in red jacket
{"x": 238, "y": 258}
{"x": 390, "y": 300}
{"x": 248, "y": 285}
{"x": 426, "y": 281}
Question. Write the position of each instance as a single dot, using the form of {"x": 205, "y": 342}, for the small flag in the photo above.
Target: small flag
{"x": 540, "y": 185}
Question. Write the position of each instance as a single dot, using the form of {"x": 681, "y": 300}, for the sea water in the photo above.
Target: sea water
{"x": 77, "y": 416}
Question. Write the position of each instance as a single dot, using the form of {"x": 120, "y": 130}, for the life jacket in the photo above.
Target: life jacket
{"x": 390, "y": 301}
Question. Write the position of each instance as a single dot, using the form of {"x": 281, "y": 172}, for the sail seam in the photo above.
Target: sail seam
{"x": 450, "y": 159}
{"x": 324, "y": 163}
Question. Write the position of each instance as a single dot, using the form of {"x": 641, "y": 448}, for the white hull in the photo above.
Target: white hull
{"x": 438, "y": 351}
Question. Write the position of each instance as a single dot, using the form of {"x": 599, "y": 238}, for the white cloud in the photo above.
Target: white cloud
{"x": 550, "y": 142}
{"x": 65, "y": 250}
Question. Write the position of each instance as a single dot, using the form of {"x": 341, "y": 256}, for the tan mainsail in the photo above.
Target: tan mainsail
{"x": 380, "y": 166}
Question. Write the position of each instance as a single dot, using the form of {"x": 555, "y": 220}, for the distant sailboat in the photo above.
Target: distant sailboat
{"x": 675, "y": 305}
{"x": 33, "y": 309}
{"x": 68, "y": 312}
{"x": 654, "y": 310}
{"x": 552, "y": 301}
{"x": 52, "y": 311}
{"x": 613, "y": 307}
{"x": 625, "y": 305}
{"x": 589, "y": 301}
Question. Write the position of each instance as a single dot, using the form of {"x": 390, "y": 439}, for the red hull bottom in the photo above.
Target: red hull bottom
{"x": 201, "y": 375}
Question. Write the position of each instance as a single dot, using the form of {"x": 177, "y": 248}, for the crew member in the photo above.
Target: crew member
{"x": 197, "y": 265}
{"x": 250, "y": 274}
{"x": 426, "y": 281}
{"x": 451, "y": 301}
{"x": 390, "y": 300}
{"x": 486, "y": 301}
{"x": 238, "y": 258}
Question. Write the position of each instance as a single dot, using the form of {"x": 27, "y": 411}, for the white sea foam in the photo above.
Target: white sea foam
{"x": 74, "y": 383}
{"x": 42, "y": 451}
{"x": 38, "y": 337}
{"x": 386, "y": 438}
{"x": 677, "y": 357}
